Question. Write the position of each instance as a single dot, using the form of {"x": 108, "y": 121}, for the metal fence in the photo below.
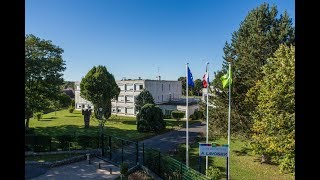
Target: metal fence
{"x": 167, "y": 167}
{"x": 117, "y": 151}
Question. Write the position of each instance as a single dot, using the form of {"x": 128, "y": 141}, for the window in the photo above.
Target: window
{"x": 169, "y": 87}
{"x": 140, "y": 87}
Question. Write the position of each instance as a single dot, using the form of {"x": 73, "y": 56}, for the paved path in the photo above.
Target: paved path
{"x": 81, "y": 170}
{"x": 172, "y": 139}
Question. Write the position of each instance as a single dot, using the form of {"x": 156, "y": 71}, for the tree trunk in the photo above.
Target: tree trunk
{"x": 27, "y": 123}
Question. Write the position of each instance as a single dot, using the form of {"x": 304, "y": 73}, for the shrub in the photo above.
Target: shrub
{"x": 214, "y": 173}
{"x": 71, "y": 109}
{"x": 37, "y": 115}
{"x": 177, "y": 115}
{"x": 124, "y": 168}
{"x": 150, "y": 119}
{"x": 197, "y": 115}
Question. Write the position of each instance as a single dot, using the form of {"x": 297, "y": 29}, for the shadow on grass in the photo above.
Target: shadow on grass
{"x": 258, "y": 159}
{"x": 129, "y": 122}
{"x": 52, "y": 117}
{"x": 75, "y": 130}
{"x": 45, "y": 120}
{"x": 243, "y": 152}
{"x": 71, "y": 116}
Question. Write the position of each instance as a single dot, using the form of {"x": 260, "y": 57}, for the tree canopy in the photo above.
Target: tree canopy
{"x": 150, "y": 119}
{"x": 257, "y": 38}
{"x": 99, "y": 87}
{"x": 274, "y": 118}
{"x": 143, "y": 98}
{"x": 43, "y": 74}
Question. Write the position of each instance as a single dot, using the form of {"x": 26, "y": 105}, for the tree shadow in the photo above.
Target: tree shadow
{"x": 243, "y": 152}
{"x": 129, "y": 122}
{"x": 45, "y": 120}
{"x": 76, "y": 130}
{"x": 71, "y": 116}
{"x": 52, "y": 117}
{"x": 258, "y": 159}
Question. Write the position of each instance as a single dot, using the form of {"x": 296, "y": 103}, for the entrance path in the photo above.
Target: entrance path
{"x": 81, "y": 170}
{"x": 172, "y": 139}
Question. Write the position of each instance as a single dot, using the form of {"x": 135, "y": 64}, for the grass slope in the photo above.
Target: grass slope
{"x": 63, "y": 122}
{"x": 243, "y": 165}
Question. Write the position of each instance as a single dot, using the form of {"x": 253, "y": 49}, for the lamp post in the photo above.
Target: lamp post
{"x": 101, "y": 123}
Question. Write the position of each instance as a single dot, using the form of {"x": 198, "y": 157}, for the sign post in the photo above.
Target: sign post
{"x": 214, "y": 149}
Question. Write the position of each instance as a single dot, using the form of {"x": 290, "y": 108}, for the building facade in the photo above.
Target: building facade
{"x": 162, "y": 91}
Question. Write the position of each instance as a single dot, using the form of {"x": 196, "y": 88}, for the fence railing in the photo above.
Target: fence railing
{"x": 118, "y": 151}
{"x": 168, "y": 168}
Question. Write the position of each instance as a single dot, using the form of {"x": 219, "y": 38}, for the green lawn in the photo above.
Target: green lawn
{"x": 62, "y": 122}
{"x": 243, "y": 165}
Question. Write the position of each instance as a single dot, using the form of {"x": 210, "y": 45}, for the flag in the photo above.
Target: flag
{"x": 205, "y": 81}
{"x": 226, "y": 78}
{"x": 190, "y": 78}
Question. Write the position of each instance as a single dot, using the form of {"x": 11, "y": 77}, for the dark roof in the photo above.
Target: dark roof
{"x": 182, "y": 101}
{"x": 69, "y": 92}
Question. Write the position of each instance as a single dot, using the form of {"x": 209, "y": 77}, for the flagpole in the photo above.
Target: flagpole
{"x": 207, "y": 137}
{"x": 229, "y": 120}
{"x": 187, "y": 124}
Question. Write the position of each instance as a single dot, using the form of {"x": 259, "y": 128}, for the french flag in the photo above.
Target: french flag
{"x": 205, "y": 81}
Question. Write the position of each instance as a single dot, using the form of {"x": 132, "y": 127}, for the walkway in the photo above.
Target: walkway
{"x": 172, "y": 139}
{"x": 81, "y": 170}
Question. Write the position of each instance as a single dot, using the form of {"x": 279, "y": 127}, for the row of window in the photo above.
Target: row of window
{"x": 131, "y": 87}
{"x": 123, "y": 110}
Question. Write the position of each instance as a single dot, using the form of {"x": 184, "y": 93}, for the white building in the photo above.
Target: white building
{"x": 166, "y": 94}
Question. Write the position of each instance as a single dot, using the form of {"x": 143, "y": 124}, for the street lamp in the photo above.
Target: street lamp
{"x": 101, "y": 122}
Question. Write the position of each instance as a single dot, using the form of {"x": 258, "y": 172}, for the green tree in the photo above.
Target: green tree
{"x": 43, "y": 74}
{"x": 183, "y": 83}
{"x": 150, "y": 119}
{"x": 197, "y": 90}
{"x": 68, "y": 84}
{"x": 257, "y": 38}
{"x": 62, "y": 101}
{"x": 99, "y": 87}
{"x": 143, "y": 98}
{"x": 177, "y": 115}
{"x": 274, "y": 118}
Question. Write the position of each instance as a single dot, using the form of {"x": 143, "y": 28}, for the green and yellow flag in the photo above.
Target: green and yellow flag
{"x": 226, "y": 78}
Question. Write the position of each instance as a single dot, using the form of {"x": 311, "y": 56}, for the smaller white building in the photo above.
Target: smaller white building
{"x": 180, "y": 105}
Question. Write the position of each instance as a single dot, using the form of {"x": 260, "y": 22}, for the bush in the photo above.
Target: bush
{"x": 197, "y": 115}
{"x": 38, "y": 115}
{"x": 71, "y": 109}
{"x": 177, "y": 115}
{"x": 150, "y": 119}
{"x": 214, "y": 173}
{"x": 29, "y": 131}
{"x": 287, "y": 164}
{"x": 124, "y": 168}
{"x": 167, "y": 116}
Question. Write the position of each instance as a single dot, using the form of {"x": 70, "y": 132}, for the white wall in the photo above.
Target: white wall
{"x": 161, "y": 90}
{"x": 191, "y": 109}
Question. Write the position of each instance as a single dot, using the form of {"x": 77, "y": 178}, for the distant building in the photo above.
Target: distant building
{"x": 166, "y": 94}
{"x": 69, "y": 92}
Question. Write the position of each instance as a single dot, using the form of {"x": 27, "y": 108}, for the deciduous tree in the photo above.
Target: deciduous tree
{"x": 43, "y": 74}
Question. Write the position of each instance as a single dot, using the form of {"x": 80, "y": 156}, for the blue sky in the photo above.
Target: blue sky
{"x": 139, "y": 38}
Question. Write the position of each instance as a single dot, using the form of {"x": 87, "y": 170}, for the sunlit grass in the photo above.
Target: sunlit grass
{"x": 243, "y": 164}
{"x": 63, "y": 123}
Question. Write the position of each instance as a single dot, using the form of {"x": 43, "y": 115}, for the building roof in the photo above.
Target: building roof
{"x": 69, "y": 92}
{"x": 182, "y": 101}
